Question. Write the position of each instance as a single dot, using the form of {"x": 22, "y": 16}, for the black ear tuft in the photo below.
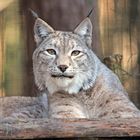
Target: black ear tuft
{"x": 35, "y": 15}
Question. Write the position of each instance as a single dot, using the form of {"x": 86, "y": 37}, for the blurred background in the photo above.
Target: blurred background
{"x": 116, "y": 39}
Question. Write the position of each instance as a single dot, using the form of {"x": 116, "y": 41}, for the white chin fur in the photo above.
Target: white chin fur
{"x": 72, "y": 86}
{"x": 62, "y": 82}
{"x": 59, "y": 84}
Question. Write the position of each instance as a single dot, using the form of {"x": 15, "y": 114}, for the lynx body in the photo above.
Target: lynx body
{"x": 75, "y": 81}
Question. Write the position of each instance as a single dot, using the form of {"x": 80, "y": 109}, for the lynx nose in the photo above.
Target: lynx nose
{"x": 62, "y": 67}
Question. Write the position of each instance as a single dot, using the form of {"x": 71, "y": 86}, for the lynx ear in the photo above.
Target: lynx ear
{"x": 84, "y": 29}
{"x": 41, "y": 30}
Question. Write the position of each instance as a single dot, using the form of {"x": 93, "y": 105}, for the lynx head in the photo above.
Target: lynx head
{"x": 64, "y": 60}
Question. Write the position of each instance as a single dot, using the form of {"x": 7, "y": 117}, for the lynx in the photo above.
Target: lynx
{"x": 77, "y": 84}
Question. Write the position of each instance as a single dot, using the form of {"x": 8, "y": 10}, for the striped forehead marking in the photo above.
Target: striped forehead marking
{"x": 64, "y": 41}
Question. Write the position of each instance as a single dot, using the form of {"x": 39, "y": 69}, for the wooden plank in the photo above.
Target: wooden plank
{"x": 60, "y": 128}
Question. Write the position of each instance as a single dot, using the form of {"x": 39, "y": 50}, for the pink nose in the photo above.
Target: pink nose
{"x": 62, "y": 67}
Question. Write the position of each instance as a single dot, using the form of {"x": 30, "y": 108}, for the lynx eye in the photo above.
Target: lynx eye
{"x": 75, "y": 53}
{"x": 51, "y": 51}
